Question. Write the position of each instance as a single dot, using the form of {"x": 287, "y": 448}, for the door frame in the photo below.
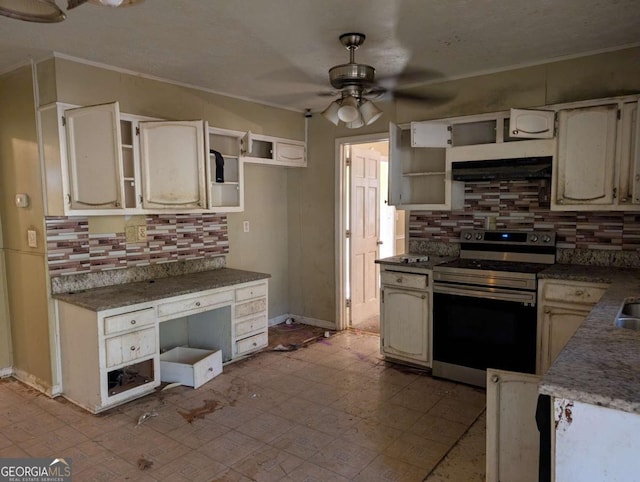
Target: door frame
{"x": 342, "y": 312}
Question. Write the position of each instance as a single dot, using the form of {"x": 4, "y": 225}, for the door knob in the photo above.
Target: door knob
{"x": 379, "y": 243}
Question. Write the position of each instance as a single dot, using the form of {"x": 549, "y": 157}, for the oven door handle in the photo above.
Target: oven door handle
{"x": 487, "y": 293}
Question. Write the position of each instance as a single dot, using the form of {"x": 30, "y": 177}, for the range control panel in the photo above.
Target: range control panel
{"x": 525, "y": 238}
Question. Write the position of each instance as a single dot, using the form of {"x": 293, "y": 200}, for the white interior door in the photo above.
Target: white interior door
{"x": 365, "y": 227}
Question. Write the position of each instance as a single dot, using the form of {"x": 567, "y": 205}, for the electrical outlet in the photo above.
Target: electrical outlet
{"x": 32, "y": 239}
{"x": 245, "y": 226}
{"x": 142, "y": 232}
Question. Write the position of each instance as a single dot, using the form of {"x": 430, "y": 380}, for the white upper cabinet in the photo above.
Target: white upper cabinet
{"x": 532, "y": 123}
{"x": 94, "y": 157}
{"x": 420, "y": 177}
{"x": 586, "y": 156}
{"x": 598, "y": 162}
{"x": 276, "y": 151}
{"x": 225, "y": 170}
{"x": 172, "y": 160}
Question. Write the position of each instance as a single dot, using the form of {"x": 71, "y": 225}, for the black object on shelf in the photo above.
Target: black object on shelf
{"x": 219, "y": 165}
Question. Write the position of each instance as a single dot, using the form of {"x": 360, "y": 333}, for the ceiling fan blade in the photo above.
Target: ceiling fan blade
{"x": 411, "y": 76}
{"x": 433, "y": 99}
{"x": 75, "y": 3}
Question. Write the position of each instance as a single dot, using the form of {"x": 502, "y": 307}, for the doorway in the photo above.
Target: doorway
{"x": 368, "y": 229}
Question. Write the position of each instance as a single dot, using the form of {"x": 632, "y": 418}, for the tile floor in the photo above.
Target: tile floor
{"x": 330, "y": 412}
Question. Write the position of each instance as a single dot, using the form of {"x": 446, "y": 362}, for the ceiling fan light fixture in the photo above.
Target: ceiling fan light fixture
{"x": 348, "y": 111}
{"x": 370, "y": 112}
{"x": 331, "y": 112}
{"x": 43, "y": 11}
{"x": 356, "y": 123}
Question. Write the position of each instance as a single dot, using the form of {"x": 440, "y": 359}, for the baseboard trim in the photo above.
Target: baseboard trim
{"x": 329, "y": 325}
{"x": 37, "y": 383}
{"x": 6, "y": 372}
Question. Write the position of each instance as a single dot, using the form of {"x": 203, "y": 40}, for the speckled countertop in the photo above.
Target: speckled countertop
{"x": 600, "y": 364}
{"x": 108, "y": 297}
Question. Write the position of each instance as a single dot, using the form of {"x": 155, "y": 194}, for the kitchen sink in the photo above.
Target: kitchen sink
{"x": 628, "y": 323}
{"x": 630, "y": 310}
{"x": 629, "y": 317}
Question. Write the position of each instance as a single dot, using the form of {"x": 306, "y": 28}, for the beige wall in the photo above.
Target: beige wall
{"x": 25, "y": 266}
{"x": 264, "y": 248}
{"x": 311, "y": 192}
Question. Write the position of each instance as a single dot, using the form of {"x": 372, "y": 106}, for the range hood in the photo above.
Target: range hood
{"x": 503, "y": 169}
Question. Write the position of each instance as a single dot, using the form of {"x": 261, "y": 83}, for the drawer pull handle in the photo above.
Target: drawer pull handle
{"x": 133, "y": 322}
{"x": 579, "y": 292}
{"x": 197, "y": 303}
{"x": 133, "y": 348}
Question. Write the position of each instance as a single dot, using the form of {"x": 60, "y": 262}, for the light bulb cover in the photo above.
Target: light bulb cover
{"x": 331, "y": 112}
{"x": 43, "y": 11}
{"x": 370, "y": 112}
{"x": 356, "y": 123}
{"x": 348, "y": 111}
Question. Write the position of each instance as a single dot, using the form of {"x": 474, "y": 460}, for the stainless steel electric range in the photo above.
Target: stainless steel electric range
{"x": 484, "y": 304}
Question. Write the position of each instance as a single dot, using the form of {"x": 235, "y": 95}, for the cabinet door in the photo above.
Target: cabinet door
{"x": 397, "y": 152}
{"x": 558, "y": 325}
{"x": 405, "y": 324}
{"x": 94, "y": 156}
{"x": 531, "y": 124}
{"x": 430, "y": 134}
{"x": 290, "y": 154}
{"x": 629, "y": 157}
{"x": 512, "y": 434}
{"x": 586, "y": 155}
{"x": 172, "y": 164}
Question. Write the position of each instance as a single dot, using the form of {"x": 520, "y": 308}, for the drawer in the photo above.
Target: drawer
{"x": 129, "y": 321}
{"x": 573, "y": 293}
{"x": 131, "y": 346}
{"x": 194, "y": 303}
{"x": 190, "y": 366}
{"x": 406, "y": 280}
{"x": 252, "y": 324}
{"x": 252, "y": 343}
{"x": 250, "y": 307}
{"x": 250, "y": 292}
{"x": 286, "y": 152}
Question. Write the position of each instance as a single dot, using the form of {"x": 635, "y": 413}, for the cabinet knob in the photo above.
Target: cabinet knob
{"x": 547, "y": 310}
{"x": 424, "y": 297}
{"x": 495, "y": 378}
{"x": 255, "y": 344}
{"x": 399, "y": 280}
{"x": 133, "y": 348}
{"x": 133, "y": 322}
{"x": 579, "y": 292}
{"x": 210, "y": 369}
{"x": 560, "y": 201}
{"x": 197, "y": 303}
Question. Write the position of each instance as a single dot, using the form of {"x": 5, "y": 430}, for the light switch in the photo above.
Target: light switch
{"x": 32, "y": 239}
{"x": 245, "y": 226}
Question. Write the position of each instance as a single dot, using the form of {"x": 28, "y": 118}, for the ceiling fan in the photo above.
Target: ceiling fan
{"x": 357, "y": 85}
{"x": 47, "y": 11}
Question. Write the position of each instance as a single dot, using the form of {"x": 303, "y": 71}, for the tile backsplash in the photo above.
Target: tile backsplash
{"x": 72, "y": 249}
{"x": 520, "y": 205}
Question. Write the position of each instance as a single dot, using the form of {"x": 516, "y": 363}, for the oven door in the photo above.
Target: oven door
{"x": 475, "y": 328}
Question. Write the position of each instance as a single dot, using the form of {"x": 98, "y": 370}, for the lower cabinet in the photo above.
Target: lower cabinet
{"x": 112, "y": 356}
{"x": 562, "y": 307}
{"x": 513, "y": 439}
{"x": 405, "y": 316}
{"x": 106, "y": 358}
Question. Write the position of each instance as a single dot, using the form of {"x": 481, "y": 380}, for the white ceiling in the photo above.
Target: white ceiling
{"x": 279, "y": 51}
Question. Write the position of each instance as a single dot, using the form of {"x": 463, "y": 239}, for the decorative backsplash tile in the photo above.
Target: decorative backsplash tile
{"x": 170, "y": 238}
{"x": 518, "y": 206}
